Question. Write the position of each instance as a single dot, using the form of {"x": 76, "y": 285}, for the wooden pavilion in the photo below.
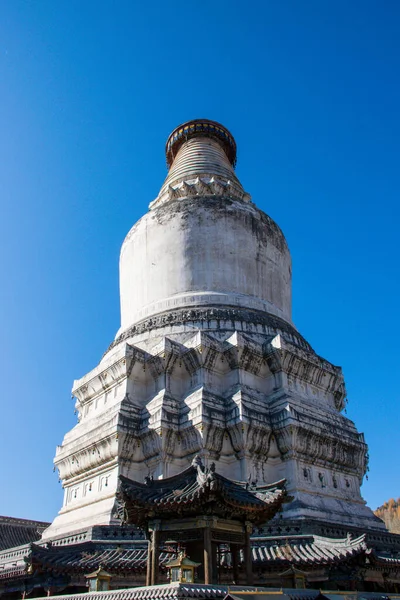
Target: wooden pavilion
{"x": 202, "y": 512}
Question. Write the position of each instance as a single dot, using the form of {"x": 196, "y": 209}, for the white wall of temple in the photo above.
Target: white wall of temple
{"x": 94, "y": 416}
{"x": 87, "y": 502}
{"x": 88, "y": 459}
{"x": 100, "y": 403}
{"x": 327, "y": 494}
{"x": 91, "y": 488}
{"x": 324, "y": 480}
{"x": 319, "y": 395}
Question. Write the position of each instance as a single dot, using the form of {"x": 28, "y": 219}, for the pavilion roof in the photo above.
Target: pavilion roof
{"x": 199, "y": 491}
{"x": 311, "y": 550}
{"x": 80, "y": 559}
{"x": 303, "y": 552}
{"x": 86, "y": 558}
{"x": 15, "y": 532}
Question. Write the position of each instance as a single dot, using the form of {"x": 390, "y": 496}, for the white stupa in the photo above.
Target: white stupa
{"x": 207, "y": 359}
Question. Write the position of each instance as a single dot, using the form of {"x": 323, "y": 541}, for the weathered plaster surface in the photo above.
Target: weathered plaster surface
{"x": 199, "y": 252}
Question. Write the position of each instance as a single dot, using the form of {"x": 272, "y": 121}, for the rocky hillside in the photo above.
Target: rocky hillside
{"x": 390, "y": 513}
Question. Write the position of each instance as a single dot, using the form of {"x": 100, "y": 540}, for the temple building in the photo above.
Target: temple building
{"x": 210, "y": 429}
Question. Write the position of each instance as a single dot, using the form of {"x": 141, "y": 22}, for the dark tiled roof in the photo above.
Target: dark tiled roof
{"x": 255, "y": 596}
{"x": 89, "y": 557}
{"x": 307, "y": 550}
{"x": 155, "y": 592}
{"x": 301, "y": 552}
{"x": 387, "y": 559}
{"x": 196, "y": 488}
{"x": 16, "y": 532}
{"x": 194, "y": 590}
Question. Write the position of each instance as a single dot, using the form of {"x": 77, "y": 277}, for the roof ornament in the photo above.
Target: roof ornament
{"x": 197, "y": 463}
{"x": 120, "y": 512}
{"x": 349, "y": 538}
{"x": 205, "y": 476}
{"x": 251, "y": 484}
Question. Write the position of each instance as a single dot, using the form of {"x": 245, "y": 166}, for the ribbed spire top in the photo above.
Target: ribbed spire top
{"x": 201, "y": 155}
{"x": 198, "y": 128}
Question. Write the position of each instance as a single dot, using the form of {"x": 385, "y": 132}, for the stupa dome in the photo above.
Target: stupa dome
{"x": 203, "y": 241}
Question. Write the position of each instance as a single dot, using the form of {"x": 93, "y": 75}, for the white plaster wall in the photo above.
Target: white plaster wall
{"x": 86, "y": 503}
{"x": 221, "y": 252}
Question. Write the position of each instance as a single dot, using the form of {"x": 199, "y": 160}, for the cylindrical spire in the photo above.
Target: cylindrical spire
{"x": 201, "y": 156}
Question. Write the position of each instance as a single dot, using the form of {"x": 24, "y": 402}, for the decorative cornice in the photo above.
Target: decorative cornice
{"x": 202, "y": 187}
{"x": 308, "y": 367}
{"x": 227, "y": 318}
{"x": 88, "y": 387}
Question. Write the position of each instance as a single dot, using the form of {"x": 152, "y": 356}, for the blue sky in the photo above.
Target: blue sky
{"x": 89, "y": 93}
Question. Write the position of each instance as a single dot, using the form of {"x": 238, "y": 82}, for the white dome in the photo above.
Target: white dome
{"x": 203, "y": 242}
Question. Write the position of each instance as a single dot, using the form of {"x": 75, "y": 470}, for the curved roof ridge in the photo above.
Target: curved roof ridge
{"x": 346, "y": 542}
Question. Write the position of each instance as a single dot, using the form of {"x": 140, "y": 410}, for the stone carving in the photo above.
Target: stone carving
{"x": 205, "y": 476}
{"x": 216, "y": 317}
{"x": 203, "y": 188}
{"x": 119, "y": 510}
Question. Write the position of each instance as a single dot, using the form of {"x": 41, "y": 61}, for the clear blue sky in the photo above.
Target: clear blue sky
{"x": 90, "y": 91}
